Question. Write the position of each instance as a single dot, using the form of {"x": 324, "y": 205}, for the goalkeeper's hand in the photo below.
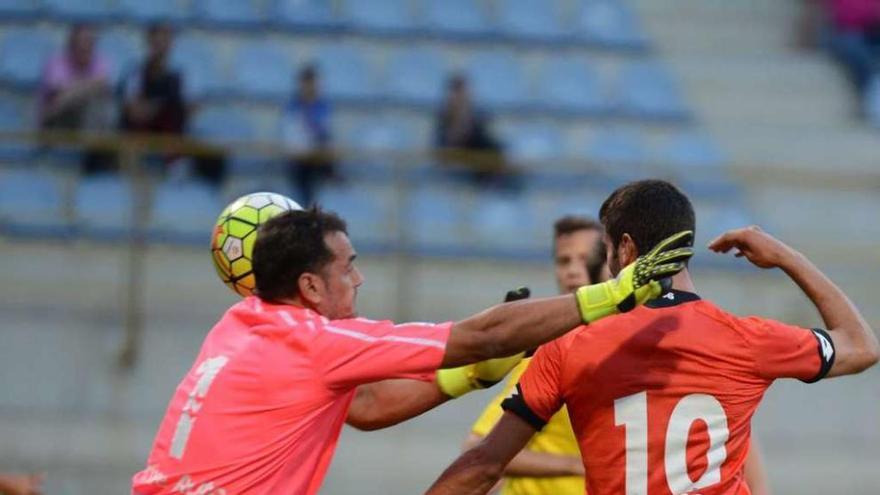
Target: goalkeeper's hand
{"x": 641, "y": 281}
{"x": 456, "y": 382}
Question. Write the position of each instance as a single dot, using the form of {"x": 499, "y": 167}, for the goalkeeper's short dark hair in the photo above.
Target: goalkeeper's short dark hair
{"x": 649, "y": 211}
{"x": 289, "y": 245}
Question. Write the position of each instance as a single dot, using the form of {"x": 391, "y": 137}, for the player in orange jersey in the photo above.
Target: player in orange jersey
{"x": 661, "y": 398}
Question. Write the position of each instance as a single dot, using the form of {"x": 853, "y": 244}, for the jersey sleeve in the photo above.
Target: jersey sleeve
{"x": 538, "y": 394}
{"x": 351, "y": 352}
{"x": 493, "y": 411}
{"x": 787, "y": 351}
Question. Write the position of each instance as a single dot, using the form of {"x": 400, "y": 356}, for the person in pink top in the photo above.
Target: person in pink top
{"x": 75, "y": 92}
{"x": 72, "y": 81}
{"x": 262, "y": 407}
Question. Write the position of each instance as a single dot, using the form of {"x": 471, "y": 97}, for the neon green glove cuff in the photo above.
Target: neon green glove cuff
{"x": 456, "y": 382}
{"x": 639, "y": 282}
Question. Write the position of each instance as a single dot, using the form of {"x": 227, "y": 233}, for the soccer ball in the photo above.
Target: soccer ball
{"x": 232, "y": 243}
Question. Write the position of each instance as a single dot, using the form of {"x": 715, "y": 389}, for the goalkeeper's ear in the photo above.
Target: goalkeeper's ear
{"x": 627, "y": 250}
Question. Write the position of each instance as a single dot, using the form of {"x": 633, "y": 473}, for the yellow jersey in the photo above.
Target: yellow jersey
{"x": 557, "y": 437}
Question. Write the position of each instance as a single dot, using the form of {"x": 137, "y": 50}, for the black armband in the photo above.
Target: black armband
{"x": 826, "y": 354}
{"x": 517, "y": 405}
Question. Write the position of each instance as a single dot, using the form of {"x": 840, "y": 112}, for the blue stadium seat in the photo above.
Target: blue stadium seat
{"x": 304, "y": 14}
{"x": 124, "y": 52}
{"x": 103, "y": 206}
{"x": 385, "y": 16}
{"x": 529, "y": 19}
{"x": 21, "y": 9}
{"x": 646, "y": 90}
{"x": 380, "y": 134}
{"x": 368, "y": 139}
{"x": 435, "y": 217}
{"x": 497, "y": 79}
{"x": 570, "y": 84}
{"x": 692, "y": 150}
{"x": 14, "y": 118}
{"x": 32, "y": 203}
{"x": 174, "y": 11}
{"x": 502, "y": 224}
{"x": 221, "y": 125}
{"x": 619, "y": 152}
{"x": 457, "y": 17}
{"x": 611, "y": 23}
{"x": 367, "y": 208}
{"x": 345, "y": 73}
{"x": 263, "y": 70}
{"x": 23, "y": 55}
{"x": 533, "y": 144}
{"x": 228, "y": 13}
{"x": 417, "y": 75}
{"x": 81, "y": 10}
{"x": 184, "y": 211}
{"x": 197, "y": 59}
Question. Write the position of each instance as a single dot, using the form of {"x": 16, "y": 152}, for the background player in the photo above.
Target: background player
{"x": 663, "y": 397}
{"x": 551, "y": 462}
{"x": 262, "y": 407}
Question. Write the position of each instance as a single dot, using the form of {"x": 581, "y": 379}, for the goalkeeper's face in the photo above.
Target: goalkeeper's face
{"x": 335, "y": 293}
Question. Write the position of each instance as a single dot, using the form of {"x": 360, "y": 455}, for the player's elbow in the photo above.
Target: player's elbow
{"x": 870, "y": 356}
{"x": 365, "y": 424}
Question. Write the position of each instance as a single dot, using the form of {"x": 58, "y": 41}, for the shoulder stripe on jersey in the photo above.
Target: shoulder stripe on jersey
{"x": 388, "y": 338}
{"x": 287, "y": 318}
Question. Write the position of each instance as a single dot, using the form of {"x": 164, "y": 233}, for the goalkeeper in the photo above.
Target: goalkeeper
{"x": 262, "y": 407}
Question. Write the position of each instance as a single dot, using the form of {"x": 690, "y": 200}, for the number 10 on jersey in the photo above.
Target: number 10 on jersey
{"x": 632, "y": 413}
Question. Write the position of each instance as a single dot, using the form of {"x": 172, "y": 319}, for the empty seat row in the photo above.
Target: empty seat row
{"x": 411, "y": 76}
{"x": 607, "y": 22}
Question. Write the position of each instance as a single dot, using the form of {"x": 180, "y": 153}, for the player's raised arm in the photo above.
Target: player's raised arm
{"x": 855, "y": 344}
{"x": 510, "y": 328}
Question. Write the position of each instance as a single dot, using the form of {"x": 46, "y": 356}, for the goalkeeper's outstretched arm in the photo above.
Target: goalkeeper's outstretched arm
{"x": 515, "y": 327}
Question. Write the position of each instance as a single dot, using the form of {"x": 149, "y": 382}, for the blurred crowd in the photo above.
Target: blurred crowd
{"x": 76, "y": 94}
{"x": 850, "y": 31}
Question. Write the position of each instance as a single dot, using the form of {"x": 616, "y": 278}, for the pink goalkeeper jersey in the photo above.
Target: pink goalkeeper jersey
{"x": 262, "y": 408}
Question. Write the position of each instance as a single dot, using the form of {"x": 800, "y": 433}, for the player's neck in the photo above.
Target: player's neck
{"x": 682, "y": 281}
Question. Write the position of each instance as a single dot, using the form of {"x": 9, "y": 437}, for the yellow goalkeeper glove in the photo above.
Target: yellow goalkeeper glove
{"x": 639, "y": 282}
{"x": 456, "y": 382}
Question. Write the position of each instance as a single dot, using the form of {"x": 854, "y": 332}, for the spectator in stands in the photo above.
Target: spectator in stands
{"x": 153, "y": 100}
{"x": 463, "y": 136}
{"x": 153, "y": 94}
{"x": 74, "y": 90}
{"x": 851, "y": 31}
{"x": 305, "y": 133}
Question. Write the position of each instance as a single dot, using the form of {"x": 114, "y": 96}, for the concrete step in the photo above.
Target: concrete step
{"x": 853, "y": 149}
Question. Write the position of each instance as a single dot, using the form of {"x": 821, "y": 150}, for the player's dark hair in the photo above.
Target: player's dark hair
{"x": 574, "y": 223}
{"x": 649, "y": 211}
{"x": 289, "y": 245}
